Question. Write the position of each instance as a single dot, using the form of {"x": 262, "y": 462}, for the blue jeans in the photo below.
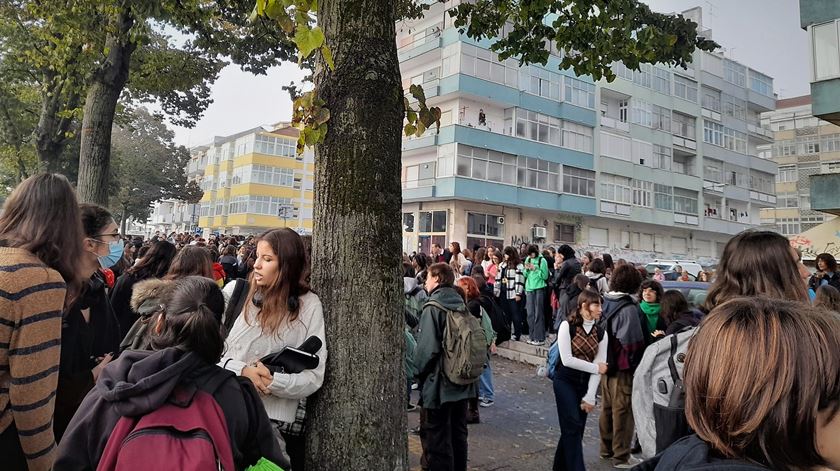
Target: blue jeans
{"x": 485, "y": 383}
{"x": 568, "y": 395}
{"x": 535, "y": 305}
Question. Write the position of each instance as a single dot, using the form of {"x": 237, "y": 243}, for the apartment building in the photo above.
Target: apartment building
{"x": 661, "y": 162}
{"x": 254, "y": 181}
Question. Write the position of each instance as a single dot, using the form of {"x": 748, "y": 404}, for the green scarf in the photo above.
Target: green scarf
{"x": 651, "y": 311}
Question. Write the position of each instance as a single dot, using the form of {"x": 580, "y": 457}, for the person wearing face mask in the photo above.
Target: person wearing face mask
{"x": 89, "y": 331}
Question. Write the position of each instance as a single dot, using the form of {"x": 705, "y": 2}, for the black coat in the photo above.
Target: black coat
{"x": 141, "y": 381}
{"x": 121, "y": 302}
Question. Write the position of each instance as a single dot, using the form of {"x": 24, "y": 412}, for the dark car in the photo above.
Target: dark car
{"x": 694, "y": 291}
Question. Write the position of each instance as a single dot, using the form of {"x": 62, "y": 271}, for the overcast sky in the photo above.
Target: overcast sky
{"x": 762, "y": 34}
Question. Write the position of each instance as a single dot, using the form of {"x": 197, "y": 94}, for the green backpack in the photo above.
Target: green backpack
{"x": 464, "y": 346}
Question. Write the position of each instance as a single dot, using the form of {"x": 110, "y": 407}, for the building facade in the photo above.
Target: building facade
{"x": 254, "y": 181}
{"x": 821, "y": 19}
{"x": 661, "y": 162}
{"x": 804, "y": 146}
{"x": 173, "y": 216}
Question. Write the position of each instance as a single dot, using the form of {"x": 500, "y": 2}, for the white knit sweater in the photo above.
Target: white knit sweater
{"x": 246, "y": 344}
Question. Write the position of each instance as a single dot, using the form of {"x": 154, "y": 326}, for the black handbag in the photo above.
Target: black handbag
{"x": 294, "y": 360}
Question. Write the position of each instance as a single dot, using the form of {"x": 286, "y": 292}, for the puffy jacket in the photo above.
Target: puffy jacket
{"x": 692, "y": 453}
{"x": 537, "y": 277}
{"x": 436, "y": 388}
{"x": 621, "y": 320}
{"x": 219, "y": 274}
{"x": 141, "y": 381}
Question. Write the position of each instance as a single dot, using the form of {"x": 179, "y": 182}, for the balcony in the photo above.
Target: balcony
{"x": 614, "y": 123}
{"x": 824, "y": 194}
{"x": 761, "y": 132}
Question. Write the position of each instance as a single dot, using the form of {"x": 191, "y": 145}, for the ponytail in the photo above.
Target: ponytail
{"x": 191, "y": 320}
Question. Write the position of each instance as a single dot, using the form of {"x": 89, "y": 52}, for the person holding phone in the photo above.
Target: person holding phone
{"x": 281, "y": 311}
{"x": 536, "y": 277}
{"x": 90, "y": 333}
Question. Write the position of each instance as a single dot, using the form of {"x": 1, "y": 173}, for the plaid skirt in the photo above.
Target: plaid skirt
{"x": 293, "y": 428}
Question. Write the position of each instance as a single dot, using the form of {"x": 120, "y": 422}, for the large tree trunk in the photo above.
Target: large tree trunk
{"x": 51, "y": 135}
{"x": 357, "y": 420}
{"x": 100, "y": 107}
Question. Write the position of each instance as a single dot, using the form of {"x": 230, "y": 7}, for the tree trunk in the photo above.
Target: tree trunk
{"x": 51, "y": 133}
{"x": 123, "y": 221}
{"x": 100, "y": 107}
{"x": 357, "y": 420}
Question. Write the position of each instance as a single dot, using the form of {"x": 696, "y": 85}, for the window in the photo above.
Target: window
{"x": 432, "y": 221}
{"x": 734, "y": 72}
{"x": 599, "y": 237}
{"x": 268, "y": 205}
{"x": 484, "y": 64}
{"x": 617, "y": 147}
{"x": 616, "y": 188}
{"x": 735, "y": 140}
{"x": 734, "y": 107}
{"x": 272, "y": 175}
{"x": 538, "y": 127}
{"x": 713, "y": 64}
{"x": 481, "y": 227}
{"x": 685, "y": 88}
{"x": 685, "y": 201}
{"x": 271, "y": 145}
{"x": 565, "y": 233}
{"x": 662, "y": 81}
{"x": 663, "y": 197}
{"x": 712, "y": 132}
{"x": 787, "y": 173}
{"x": 643, "y": 75}
{"x": 786, "y": 147}
{"x": 787, "y": 200}
{"x": 762, "y": 182}
{"x": 408, "y": 222}
{"x": 641, "y": 112}
{"x": 577, "y": 137}
{"x": 711, "y": 99}
{"x": 713, "y": 170}
{"x": 661, "y": 118}
{"x": 642, "y": 193}
{"x": 578, "y": 181}
{"x": 830, "y": 143}
{"x": 538, "y": 174}
{"x": 807, "y": 145}
{"x": 788, "y": 226}
{"x": 826, "y": 51}
{"x": 541, "y": 82}
{"x": 579, "y": 93}
{"x": 737, "y": 176}
{"x": 683, "y": 126}
{"x": 762, "y": 84}
{"x": 420, "y": 175}
{"x": 623, "y": 105}
{"x": 483, "y": 164}
{"x": 661, "y": 157}
{"x": 621, "y": 70}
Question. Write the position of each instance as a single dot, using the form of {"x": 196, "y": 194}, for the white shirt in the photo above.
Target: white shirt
{"x": 564, "y": 345}
{"x": 246, "y": 344}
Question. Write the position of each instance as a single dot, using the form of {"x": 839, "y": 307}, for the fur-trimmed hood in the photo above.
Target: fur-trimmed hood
{"x": 148, "y": 295}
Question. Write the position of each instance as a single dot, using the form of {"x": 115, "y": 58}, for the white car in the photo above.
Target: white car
{"x": 691, "y": 266}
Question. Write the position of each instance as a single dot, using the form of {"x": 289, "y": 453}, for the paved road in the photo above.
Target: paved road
{"x": 520, "y": 431}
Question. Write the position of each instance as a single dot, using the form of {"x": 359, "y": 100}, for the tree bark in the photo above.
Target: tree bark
{"x": 357, "y": 420}
{"x": 100, "y": 107}
{"x": 51, "y": 133}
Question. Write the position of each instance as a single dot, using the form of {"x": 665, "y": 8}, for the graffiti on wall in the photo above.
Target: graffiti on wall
{"x": 810, "y": 251}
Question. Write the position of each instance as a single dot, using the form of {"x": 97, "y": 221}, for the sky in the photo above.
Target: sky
{"x": 762, "y": 34}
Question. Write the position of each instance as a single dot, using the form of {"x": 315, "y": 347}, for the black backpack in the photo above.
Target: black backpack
{"x": 593, "y": 283}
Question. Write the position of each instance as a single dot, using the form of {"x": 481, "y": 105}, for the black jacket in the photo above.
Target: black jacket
{"x": 82, "y": 342}
{"x": 121, "y": 302}
{"x": 691, "y": 453}
{"x": 140, "y": 382}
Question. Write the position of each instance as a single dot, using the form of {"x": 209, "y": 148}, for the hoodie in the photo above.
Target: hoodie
{"x": 139, "y": 382}
{"x": 621, "y": 320}
{"x": 692, "y": 453}
{"x": 436, "y": 389}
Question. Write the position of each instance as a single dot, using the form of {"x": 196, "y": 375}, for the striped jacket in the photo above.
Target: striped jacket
{"x": 514, "y": 284}
{"x": 31, "y": 300}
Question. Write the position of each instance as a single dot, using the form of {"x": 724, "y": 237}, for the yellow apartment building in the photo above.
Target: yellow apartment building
{"x": 254, "y": 181}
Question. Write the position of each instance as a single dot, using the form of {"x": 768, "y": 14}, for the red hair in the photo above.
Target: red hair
{"x": 469, "y": 286}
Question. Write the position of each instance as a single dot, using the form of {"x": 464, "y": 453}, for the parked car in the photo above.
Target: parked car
{"x": 692, "y": 267}
{"x": 694, "y": 291}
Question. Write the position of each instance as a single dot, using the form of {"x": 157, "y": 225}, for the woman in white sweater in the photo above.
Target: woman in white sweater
{"x": 280, "y": 312}
{"x": 583, "y": 351}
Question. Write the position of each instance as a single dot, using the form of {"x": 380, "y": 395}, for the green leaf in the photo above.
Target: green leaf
{"x": 309, "y": 137}
{"x": 411, "y": 115}
{"x": 254, "y": 15}
{"x": 420, "y": 128}
{"x": 406, "y": 104}
{"x": 261, "y": 7}
{"x": 275, "y": 10}
{"x": 328, "y": 58}
{"x": 307, "y": 40}
{"x": 286, "y": 23}
{"x": 322, "y": 117}
{"x": 410, "y": 129}
{"x": 417, "y": 92}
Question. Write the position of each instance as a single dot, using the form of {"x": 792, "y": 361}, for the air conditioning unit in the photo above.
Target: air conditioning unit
{"x": 500, "y": 220}
{"x": 538, "y": 232}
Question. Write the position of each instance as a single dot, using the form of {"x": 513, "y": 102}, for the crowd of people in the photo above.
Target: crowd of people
{"x": 114, "y": 351}
{"x": 771, "y": 407}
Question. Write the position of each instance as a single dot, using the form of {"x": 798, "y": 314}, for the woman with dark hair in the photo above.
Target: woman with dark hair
{"x": 583, "y": 353}
{"x": 740, "y": 419}
{"x": 229, "y": 262}
{"x": 609, "y": 266}
{"x": 676, "y": 312}
{"x": 561, "y": 280}
{"x": 420, "y": 264}
{"x": 826, "y": 274}
{"x": 191, "y": 261}
{"x": 186, "y": 342}
{"x": 650, "y": 294}
{"x": 828, "y": 297}
{"x": 155, "y": 264}
{"x": 510, "y": 287}
{"x": 597, "y": 274}
{"x": 40, "y": 247}
{"x": 281, "y": 311}
{"x": 90, "y": 331}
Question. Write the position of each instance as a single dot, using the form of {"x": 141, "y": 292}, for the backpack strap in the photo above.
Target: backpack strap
{"x": 675, "y": 376}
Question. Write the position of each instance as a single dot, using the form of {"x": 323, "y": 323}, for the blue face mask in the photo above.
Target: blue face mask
{"x": 116, "y": 252}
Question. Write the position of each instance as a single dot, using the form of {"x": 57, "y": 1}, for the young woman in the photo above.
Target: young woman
{"x": 650, "y": 294}
{"x": 585, "y": 260}
{"x": 89, "y": 331}
{"x": 509, "y": 288}
{"x": 491, "y": 270}
{"x": 826, "y": 273}
{"x": 676, "y": 313}
{"x": 828, "y": 297}
{"x": 420, "y": 264}
{"x": 598, "y": 273}
{"x": 186, "y": 343}
{"x": 609, "y": 266}
{"x": 40, "y": 247}
{"x": 154, "y": 264}
{"x": 191, "y": 261}
{"x": 789, "y": 423}
{"x": 455, "y": 250}
{"x": 467, "y": 265}
{"x": 282, "y": 311}
{"x": 536, "y": 278}
{"x": 583, "y": 351}
{"x": 472, "y": 294}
